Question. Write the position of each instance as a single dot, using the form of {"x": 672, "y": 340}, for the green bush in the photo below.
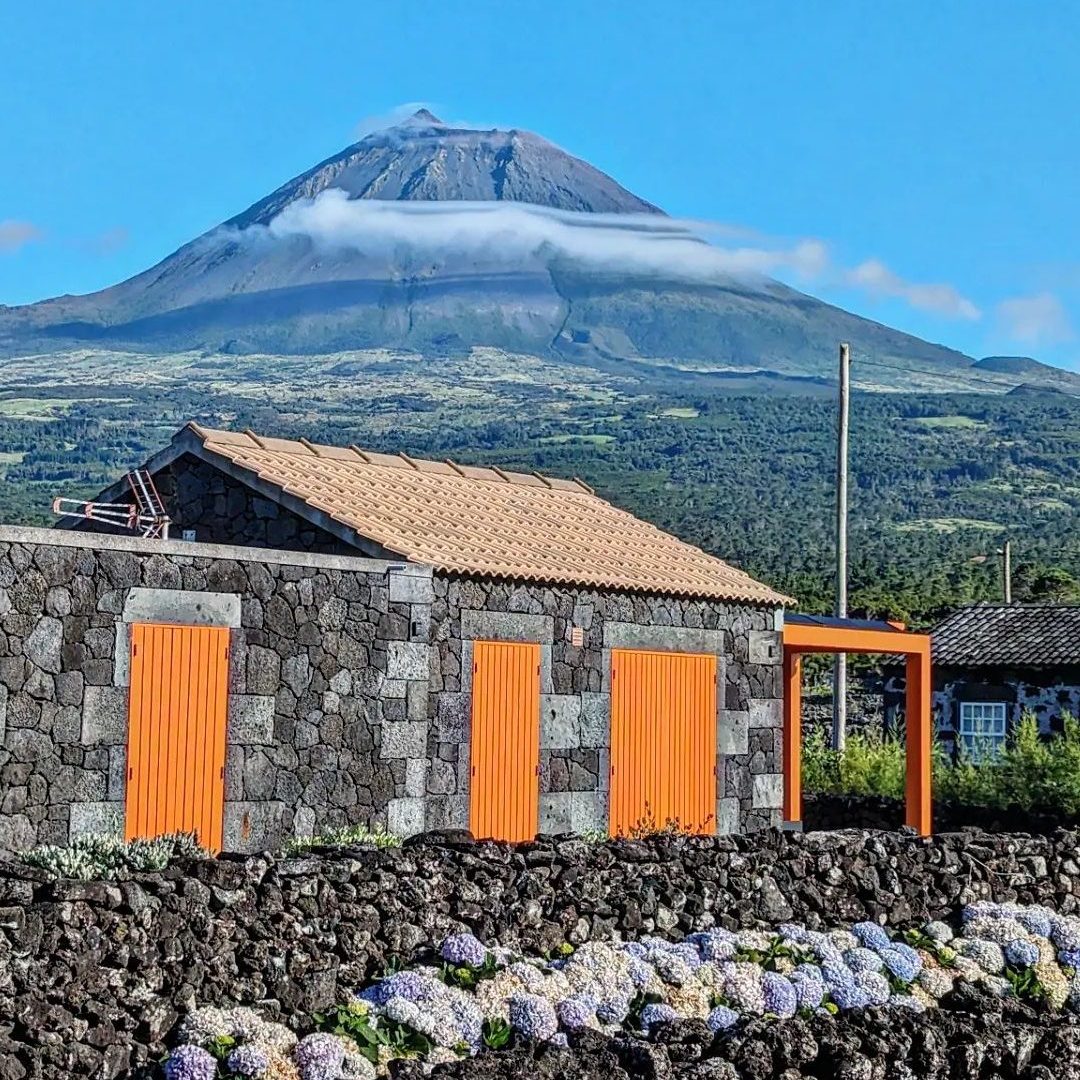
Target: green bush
{"x": 349, "y": 836}
{"x": 93, "y": 858}
{"x": 1029, "y": 773}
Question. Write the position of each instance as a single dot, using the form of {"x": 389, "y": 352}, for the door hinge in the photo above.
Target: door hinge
{"x": 134, "y": 649}
{"x": 222, "y": 773}
{"x": 472, "y": 771}
{"x": 131, "y": 774}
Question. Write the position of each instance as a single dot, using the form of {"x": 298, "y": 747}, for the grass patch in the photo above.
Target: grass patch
{"x": 948, "y": 423}
{"x": 682, "y": 413}
{"x": 349, "y": 836}
{"x": 948, "y": 525}
{"x": 595, "y": 440}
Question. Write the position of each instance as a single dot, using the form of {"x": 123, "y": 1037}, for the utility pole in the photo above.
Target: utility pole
{"x": 839, "y": 734}
{"x": 1006, "y": 570}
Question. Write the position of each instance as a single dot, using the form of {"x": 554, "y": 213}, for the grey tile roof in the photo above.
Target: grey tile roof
{"x": 1009, "y": 635}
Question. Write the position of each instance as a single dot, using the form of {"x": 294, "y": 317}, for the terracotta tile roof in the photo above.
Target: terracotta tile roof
{"x": 1009, "y": 635}
{"x": 487, "y": 521}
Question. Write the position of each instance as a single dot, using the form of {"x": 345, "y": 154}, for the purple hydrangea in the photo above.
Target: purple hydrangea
{"x": 1070, "y": 958}
{"x": 463, "y": 950}
{"x": 469, "y": 1019}
{"x": 249, "y": 1061}
{"x": 872, "y": 935}
{"x": 533, "y": 1016}
{"x": 189, "y": 1062}
{"x": 657, "y": 1013}
{"x": 612, "y": 1010}
{"x": 1066, "y": 934}
{"x": 1022, "y": 953}
{"x": 809, "y": 991}
{"x": 576, "y": 1012}
{"x": 636, "y": 949}
{"x": 837, "y": 975}
{"x": 410, "y": 985}
{"x": 721, "y": 1018}
{"x": 779, "y": 995}
{"x": 319, "y": 1056}
{"x": 640, "y": 973}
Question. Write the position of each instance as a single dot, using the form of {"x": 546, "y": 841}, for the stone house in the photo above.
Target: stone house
{"x": 993, "y": 663}
{"x": 342, "y": 636}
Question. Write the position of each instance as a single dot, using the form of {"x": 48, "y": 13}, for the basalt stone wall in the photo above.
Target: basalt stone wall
{"x": 321, "y": 661}
{"x": 94, "y": 975}
{"x": 575, "y": 687}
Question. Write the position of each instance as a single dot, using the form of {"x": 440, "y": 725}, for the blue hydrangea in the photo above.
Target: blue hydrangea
{"x": 906, "y": 1001}
{"x": 1022, "y": 953}
{"x": 1036, "y": 920}
{"x": 716, "y": 945}
{"x": 533, "y": 1016}
{"x": 863, "y": 959}
{"x": 656, "y": 1013}
{"x": 402, "y": 1011}
{"x": 576, "y": 1012}
{"x": 319, "y": 1056}
{"x": 779, "y": 995}
{"x": 874, "y": 985}
{"x": 559, "y": 1039}
{"x": 671, "y": 968}
{"x": 190, "y": 1063}
{"x": 721, "y": 1018}
{"x": 613, "y": 1010}
{"x": 1066, "y": 934}
{"x": 793, "y": 932}
{"x": 848, "y": 996}
{"x": 463, "y": 950}
{"x": 250, "y": 1061}
{"x": 636, "y": 949}
{"x": 872, "y": 935}
{"x": 902, "y": 965}
{"x": 410, "y": 985}
{"x": 837, "y": 975}
{"x": 470, "y": 1020}
{"x": 982, "y": 909}
{"x": 641, "y": 974}
{"x": 809, "y": 991}
{"x": 1070, "y": 958}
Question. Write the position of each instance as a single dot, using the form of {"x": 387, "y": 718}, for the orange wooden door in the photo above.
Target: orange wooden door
{"x": 176, "y": 731}
{"x": 504, "y": 788}
{"x": 663, "y": 741}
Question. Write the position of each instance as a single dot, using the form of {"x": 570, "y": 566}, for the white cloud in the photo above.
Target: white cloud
{"x": 939, "y": 299}
{"x": 15, "y": 235}
{"x": 1035, "y": 320}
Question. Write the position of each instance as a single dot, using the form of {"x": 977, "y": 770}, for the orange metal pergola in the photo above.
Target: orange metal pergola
{"x": 812, "y": 634}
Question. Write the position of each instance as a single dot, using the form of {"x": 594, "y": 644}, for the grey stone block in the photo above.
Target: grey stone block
{"x": 96, "y": 819}
{"x": 407, "y": 660}
{"x": 296, "y": 673}
{"x": 263, "y": 670}
{"x": 394, "y": 688}
{"x": 447, "y": 812}
{"x": 768, "y": 791}
{"x": 416, "y": 772}
{"x": 452, "y": 718}
{"x": 405, "y": 817}
{"x": 765, "y": 647}
{"x": 252, "y": 826}
{"x": 588, "y": 811}
{"x": 117, "y": 774}
{"x": 621, "y": 635}
{"x": 766, "y": 713}
{"x": 595, "y": 720}
{"x": 733, "y": 736}
{"x": 507, "y": 626}
{"x": 411, "y": 588}
{"x": 182, "y": 606}
{"x": 403, "y": 739}
{"x": 104, "y": 719}
{"x": 560, "y": 722}
{"x": 557, "y": 812}
{"x": 251, "y": 719}
{"x": 341, "y": 683}
{"x": 727, "y": 816}
{"x": 416, "y": 701}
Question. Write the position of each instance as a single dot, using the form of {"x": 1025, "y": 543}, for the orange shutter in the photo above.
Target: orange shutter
{"x": 176, "y": 731}
{"x": 504, "y": 789}
{"x": 663, "y": 741}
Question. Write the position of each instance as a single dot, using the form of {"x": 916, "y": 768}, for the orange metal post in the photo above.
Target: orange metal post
{"x": 919, "y": 742}
{"x": 792, "y": 736}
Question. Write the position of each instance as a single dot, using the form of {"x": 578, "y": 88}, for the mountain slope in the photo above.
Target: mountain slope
{"x": 262, "y": 283}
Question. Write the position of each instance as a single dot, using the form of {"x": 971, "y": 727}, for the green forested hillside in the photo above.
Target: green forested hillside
{"x": 938, "y": 481}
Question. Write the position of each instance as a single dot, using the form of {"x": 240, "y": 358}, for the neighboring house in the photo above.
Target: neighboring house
{"x": 333, "y": 636}
{"x": 994, "y": 662}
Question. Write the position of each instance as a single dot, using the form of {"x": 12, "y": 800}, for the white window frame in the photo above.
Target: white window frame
{"x": 983, "y": 727}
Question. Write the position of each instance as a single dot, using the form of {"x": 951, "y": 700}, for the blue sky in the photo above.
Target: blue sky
{"x": 925, "y": 155}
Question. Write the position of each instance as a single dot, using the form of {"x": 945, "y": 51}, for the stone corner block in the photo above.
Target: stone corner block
{"x": 96, "y": 819}
{"x": 403, "y": 739}
{"x": 104, "y": 717}
{"x": 768, "y": 791}
{"x": 732, "y": 732}
{"x": 588, "y": 811}
{"x": 407, "y": 660}
{"x": 251, "y": 719}
{"x": 727, "y": 816}
{"x": 765, "y": 647}
{"x": 405, "y": 817}
{"x": 557, "y": 812}
{"x": 250, "y": 827}
{"x": 766, "y": 714}
{"x": 411, "y": 588}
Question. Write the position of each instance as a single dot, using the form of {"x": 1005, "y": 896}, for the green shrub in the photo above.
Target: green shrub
{"x": 1029, "y": 773}
{"x": 91, "y": 858}
{"x": 349, "y": 836}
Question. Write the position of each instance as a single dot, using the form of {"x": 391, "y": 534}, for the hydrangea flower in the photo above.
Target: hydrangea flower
{"x": 576, "y": 1012}
{"x": 188, "y": 1062}
{"x": 847, "y": 996}
{"x": 872, "y": 935}
{"x": 809, "y": 990}
{"x": 981, "y": 909}
{"x": 905, "y": 966}
{"x": 250, "y": 1061}
{"x": 905, "y": 1001}
{"x": 403, "y": 1011}
{"x": 722, "y": 1018}
{"x": 657, "y": 1013}
{"x": 319, "y": 1056}
{"x": 672, "y": 969}
{"x": 1054, "y": 982}
{"x": 613, "y": 1010}
{"x": 1066, "y": 933}
{"x": 935, "y": 981}
{"x": 743, "y": 988}
{"x": 863, "y": 959}
{"x": 533, "y": 1016}
{"x": 1070, "y": 958}
{"x": 1036, "y": 920}
{"x": 987, "y": 954}
{"x": 938, "y": 931}
{"x": 1021, "y": 953}
{"x": 463, "y": 950}
{"x": 874, "y": 985}
{"x": 778, "y": 995}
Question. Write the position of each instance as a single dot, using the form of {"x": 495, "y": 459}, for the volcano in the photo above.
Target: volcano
{"x": 376, "y": 247}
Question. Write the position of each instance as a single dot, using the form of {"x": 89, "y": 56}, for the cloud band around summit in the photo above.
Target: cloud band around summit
{"x": 684, "y": 250}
